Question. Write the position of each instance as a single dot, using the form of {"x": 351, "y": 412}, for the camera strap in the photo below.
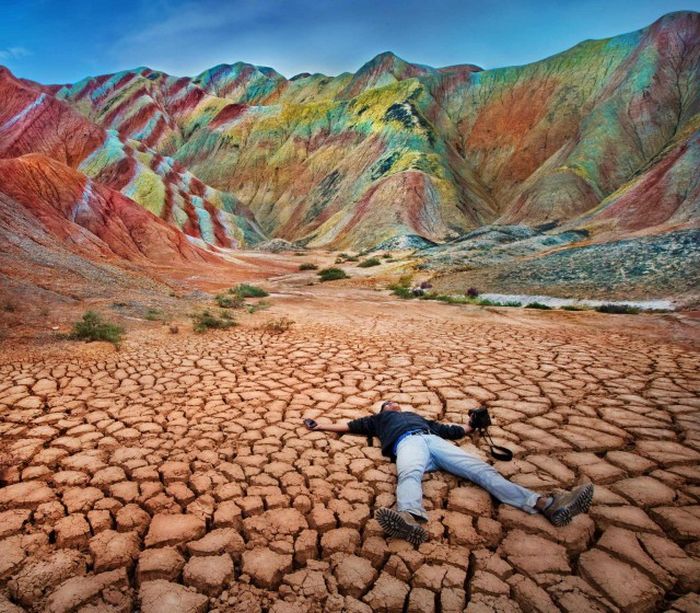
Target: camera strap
{"x": 502, "y": 454}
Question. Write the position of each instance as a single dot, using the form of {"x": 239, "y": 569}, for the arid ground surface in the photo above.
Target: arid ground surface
{"x": 175, "y": 474}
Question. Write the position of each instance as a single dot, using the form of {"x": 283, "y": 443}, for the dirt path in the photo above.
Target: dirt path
{"x": 102, "y": 448}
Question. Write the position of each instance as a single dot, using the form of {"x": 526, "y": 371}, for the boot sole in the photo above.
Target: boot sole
{"x": 394, "y": 525}
{"x": 580, "y": 504}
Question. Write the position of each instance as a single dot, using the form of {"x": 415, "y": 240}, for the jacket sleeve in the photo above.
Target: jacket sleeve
{"x": 448, "y": 431}
{"x": 364, "y": 425}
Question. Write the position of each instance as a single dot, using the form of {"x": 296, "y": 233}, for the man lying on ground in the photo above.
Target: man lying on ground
{"x": 417, "y": 445}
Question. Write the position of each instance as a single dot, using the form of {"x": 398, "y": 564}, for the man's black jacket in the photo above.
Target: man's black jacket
{"x": 388, "y": 426}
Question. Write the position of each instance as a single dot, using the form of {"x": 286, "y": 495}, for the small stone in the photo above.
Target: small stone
{"x": 354, "y": 575}
{"x": 628, "y": 588}
{"x": 171, "y": 529}
{"x": 25, "y": 495}
{"x": 165, "y": 563}
{"x": 266, "y": 567}
{"x": 208, "y": 574}
{"x": 112, "y": 550}
{"x": 72, "y": 531}
{"x": 387, "y": 595}
{"x": 222, "y": 540}
{"x": 161, "y": 596}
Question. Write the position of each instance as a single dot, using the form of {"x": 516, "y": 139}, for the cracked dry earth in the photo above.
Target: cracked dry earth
{"x": 177, "y": 476}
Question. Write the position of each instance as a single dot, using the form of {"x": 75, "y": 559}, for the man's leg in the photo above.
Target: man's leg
{"x": 412, "y": 460}
{"x": 451, "y": 458}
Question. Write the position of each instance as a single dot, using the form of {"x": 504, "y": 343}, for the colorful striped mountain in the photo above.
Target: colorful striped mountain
{"x": 603, "y": 137}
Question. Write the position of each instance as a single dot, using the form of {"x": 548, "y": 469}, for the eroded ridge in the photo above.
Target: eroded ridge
{"x": 179, "y": 477}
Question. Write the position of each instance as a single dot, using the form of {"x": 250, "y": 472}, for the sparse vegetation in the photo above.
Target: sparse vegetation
{"x": 250, "y": 291}
{"x": 617, "y": 309}
{"x": 387, "y": 256}
{"x": 472, "y": 292}
{"x": 369, "y": 263}
{"x": 401, "y": 291}
{"x": 260, "y": 306}
{"x": 573, "y": 307}
{"x": 277, "y": 326}
{"x": 229, "y": 301}
{"x": 538, "y": 305}
{"x": 93, "y": 328}
{"x": 201, "y": 322}
{"x": 308, "y": 266}
{"x": 154, "y": 315}
{"x": 332, "y": 274}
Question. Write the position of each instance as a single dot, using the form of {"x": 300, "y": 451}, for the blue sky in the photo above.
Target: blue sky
{"x": 54, "y": 41}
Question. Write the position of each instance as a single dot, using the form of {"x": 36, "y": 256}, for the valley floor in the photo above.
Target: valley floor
{"x": 101, "y": 447}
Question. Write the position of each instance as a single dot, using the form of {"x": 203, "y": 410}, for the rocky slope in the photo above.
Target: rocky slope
{"x": 604, "y": 135}
{"x": 600, "y": 143}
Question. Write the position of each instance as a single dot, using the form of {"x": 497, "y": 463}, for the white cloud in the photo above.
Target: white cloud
{"x": 13, "y": 53}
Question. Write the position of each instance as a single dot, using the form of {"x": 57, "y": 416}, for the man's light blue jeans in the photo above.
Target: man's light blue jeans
{"x": 422, "y": 453}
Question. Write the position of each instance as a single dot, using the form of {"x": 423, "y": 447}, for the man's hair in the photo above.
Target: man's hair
{"x": 384, "y": 405}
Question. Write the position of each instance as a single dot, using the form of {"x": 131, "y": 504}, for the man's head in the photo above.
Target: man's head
{"x": 390, "y": 405}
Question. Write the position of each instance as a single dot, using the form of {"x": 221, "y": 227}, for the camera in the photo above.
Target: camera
{"x": 479, "y": 419}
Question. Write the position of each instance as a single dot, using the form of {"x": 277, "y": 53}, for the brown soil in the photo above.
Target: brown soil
{"x": 175, "y": 474}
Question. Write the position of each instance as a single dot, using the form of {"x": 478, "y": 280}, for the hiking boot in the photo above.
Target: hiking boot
{"x": 401, "y": 524}
{"x": 566, "y": 505}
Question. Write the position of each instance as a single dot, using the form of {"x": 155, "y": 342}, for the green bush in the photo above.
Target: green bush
{"x": 201, "y": 322}
{"x": 154, "y": 315}
{"x": 332, "y": 274}
{"x": 538, "y": 305}
{"x": 617, "y": 309}
{"x": 401, "y": 291}
{"x": 260, "y": 306}
{"x": 573, "y": 307}
{"x": 387, "y": 256}
{"x": 512, "y": 303}
{"x": 250, "y": 291}
{"x": 93, "y": 328}
{"x": 229, "y": 301}
{"x": 368, "y": 263}
{"x": 308, "y": 266}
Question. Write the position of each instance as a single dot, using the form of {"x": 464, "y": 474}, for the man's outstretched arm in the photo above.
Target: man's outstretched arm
{"x": 363, "y": 425}
{"x": 339, "y": 427}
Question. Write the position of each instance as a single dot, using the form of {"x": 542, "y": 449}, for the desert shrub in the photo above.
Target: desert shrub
{"x": 260, "y": 306}
{"x": 352, "y": 258}
{"x": 472, "y": 292}
{"x": 512, "y": 303}
{"x": 401, "y": 291}
{"x": 201, "y": 322}
{"x": 617, "y": 309}
{"x": 277, "y": 326}
{"x": 487, "y": 302}
{"x": 538, "y": 305}
{"x": 93, "y": 328}
{"x": 369, "y": 262}
{"x": 298, "y": 253}
{"x": 573, "y": 307}
{"x": 154, "y": 314}
{"x": 9, "y": 307}
{"x": 250, "y": 291}
{"x": 387, "y": 256}
{"x": 332, "y": 274}
{"x": 229, "y": 301}
{"x": 308, "y": 266}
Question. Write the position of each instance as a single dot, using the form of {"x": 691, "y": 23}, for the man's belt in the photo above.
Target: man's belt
{"x": 407, "y": 434}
